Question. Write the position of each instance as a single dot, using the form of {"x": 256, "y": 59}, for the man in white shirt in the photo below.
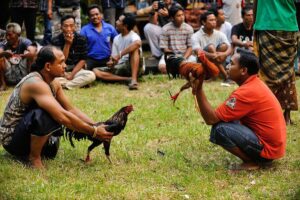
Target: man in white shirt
{"x": 213, "y": 42}
{"x": 125, "y": 58}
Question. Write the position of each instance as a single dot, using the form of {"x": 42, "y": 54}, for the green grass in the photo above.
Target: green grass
{"x": 191, "y": 167}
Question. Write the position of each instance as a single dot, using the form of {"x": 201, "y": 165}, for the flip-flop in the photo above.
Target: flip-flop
{"x": 133, "y": 85}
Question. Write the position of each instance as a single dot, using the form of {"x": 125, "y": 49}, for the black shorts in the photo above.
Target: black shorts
{"x": 92, "y": 63}
{"x": 36, "y": 122}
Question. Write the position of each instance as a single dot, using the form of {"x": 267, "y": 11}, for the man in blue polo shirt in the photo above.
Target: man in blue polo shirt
{"x": 99, "y": 37}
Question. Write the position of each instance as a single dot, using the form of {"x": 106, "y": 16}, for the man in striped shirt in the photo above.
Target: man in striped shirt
{"x": 176, "y": 37}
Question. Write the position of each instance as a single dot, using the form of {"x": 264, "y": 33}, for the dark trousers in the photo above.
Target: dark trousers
{"x": 28, "y": 16}
{"x": 4, "y": 14}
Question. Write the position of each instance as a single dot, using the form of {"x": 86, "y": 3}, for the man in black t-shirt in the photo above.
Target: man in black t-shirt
{"x": 242, "y": 33}
{"x": 74, "y": 47}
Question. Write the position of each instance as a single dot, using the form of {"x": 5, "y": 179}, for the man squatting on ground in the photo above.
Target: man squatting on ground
{"x": 249, "y": 124}
{"x": 38, "y": 107}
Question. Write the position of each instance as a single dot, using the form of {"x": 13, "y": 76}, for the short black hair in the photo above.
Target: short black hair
{"x": 246, "y": 9}
{"x": 174, "y": 9}
{"x": 215, "y": 10}
{"x": 92, "y": 6}
{"x": 129, "y": 21}
{"x": 46, "y": 54}
{"x": 249, "y": 60}
{"x": 64, "y": 18}
{"x": 203, "y": 17}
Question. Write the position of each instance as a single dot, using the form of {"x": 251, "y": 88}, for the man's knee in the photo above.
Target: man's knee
{"x": 222, "y": 47}
{"x": 219, "y": 134}
{"x": 210, "y": 48}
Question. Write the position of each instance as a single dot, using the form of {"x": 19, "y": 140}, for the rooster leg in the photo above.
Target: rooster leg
{"x": 106, "y": 149}
{"x": 90, "y": 148}
{"x": 108, "y": 158}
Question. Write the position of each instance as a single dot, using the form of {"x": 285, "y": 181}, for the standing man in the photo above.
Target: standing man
{"x": 242, "y": 33}
{"x": 125, "y": 57}
{"x": 99, "y": 36}
{"x": 74, "y": 48}
{"x": 25, "y": 11}
{"x": 62, "y": 8}
{"x": 249, "y": 124}
{"x": 176, "y": 37}
{"x": 113, "y": 9}
{"x": 38, "y": 107}
{"x": 276, "y": 36}
{"x": 232, "y": 10}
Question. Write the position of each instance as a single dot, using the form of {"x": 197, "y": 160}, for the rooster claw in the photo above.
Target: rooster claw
{"x": 173, "y": 97}
{"x": 108, "y": 158}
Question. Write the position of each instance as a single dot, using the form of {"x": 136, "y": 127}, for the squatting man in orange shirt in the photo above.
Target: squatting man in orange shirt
{"x": 249, "y": 124}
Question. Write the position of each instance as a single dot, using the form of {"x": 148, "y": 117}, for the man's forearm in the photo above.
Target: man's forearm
{"x": 81, "y": 115}
{"x": 66, "y": 50}
{"x": 130, "y": 48}
{"x": 188, "y": 52}
{"x": 78, "y": 67}
{"x": 206, "y": 110}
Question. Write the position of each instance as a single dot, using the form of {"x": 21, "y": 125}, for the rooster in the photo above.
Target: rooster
{"x": 115, "y": 124}
{"x": 177, "y": 66}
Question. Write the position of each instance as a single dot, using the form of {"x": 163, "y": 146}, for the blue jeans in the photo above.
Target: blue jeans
{"x": 234, "y": 134}
{"x": 47, "y": 30}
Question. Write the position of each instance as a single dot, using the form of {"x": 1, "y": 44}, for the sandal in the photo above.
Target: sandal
{"x": 133, "y": 85}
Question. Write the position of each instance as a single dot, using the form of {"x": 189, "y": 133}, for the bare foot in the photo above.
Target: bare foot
{"x": 249, "y": 166}
{"x": 36, "y": 163}
{"x": 3, "y": 87}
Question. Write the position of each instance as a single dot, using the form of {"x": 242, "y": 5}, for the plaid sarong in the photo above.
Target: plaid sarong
{"x": 277, "y": 51}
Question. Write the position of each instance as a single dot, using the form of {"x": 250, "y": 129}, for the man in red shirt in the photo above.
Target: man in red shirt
{"x": 250, "y": 123}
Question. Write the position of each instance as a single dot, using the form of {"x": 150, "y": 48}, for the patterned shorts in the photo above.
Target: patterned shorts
{"x": 15, "y": 73}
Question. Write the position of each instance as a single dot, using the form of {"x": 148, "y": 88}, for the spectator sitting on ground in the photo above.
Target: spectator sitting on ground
{"x": 249, "y": 124}
{"x": 159, "y": 16}
{"x": 176, "y": 37}
{"x": 125, "y": 58}
{"x": 16, "y": 56}
{"x": 242, "y": 33}
{"x": 213, "y": 42}
{"x": 99, "y": 36}
{"x": 222, "y": 25}
{"x": 74, "y": 48}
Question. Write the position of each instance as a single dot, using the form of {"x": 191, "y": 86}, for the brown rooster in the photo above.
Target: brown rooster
{"x": 115, "y": 124}
{"x": 176, "y": 65}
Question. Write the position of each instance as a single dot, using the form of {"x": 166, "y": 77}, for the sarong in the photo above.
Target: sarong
{"x": 277, "y": 51}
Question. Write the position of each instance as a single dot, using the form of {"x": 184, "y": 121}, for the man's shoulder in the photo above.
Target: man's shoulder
{"x": 188, "y": 27}
{"x": 168, "y": 26}
{"x": 57, "y": 40}
{"x": 86, "y": 27}
{"x": 24, "y": 41}
{"x": 79, "y": 38}
{"x": 107, "y": 26}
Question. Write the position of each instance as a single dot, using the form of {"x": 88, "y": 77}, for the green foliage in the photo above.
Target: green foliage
{"x": 163, "y": 153}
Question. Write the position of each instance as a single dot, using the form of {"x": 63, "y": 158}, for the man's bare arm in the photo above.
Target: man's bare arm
{"x": 40, "y": 92}
{"x": 206, "y": 110}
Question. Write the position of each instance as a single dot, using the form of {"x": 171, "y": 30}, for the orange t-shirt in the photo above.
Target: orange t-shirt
{"x": 255, "y": 106}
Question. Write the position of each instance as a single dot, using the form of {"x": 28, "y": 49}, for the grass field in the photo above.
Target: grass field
{"x": 163, "y": 153}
